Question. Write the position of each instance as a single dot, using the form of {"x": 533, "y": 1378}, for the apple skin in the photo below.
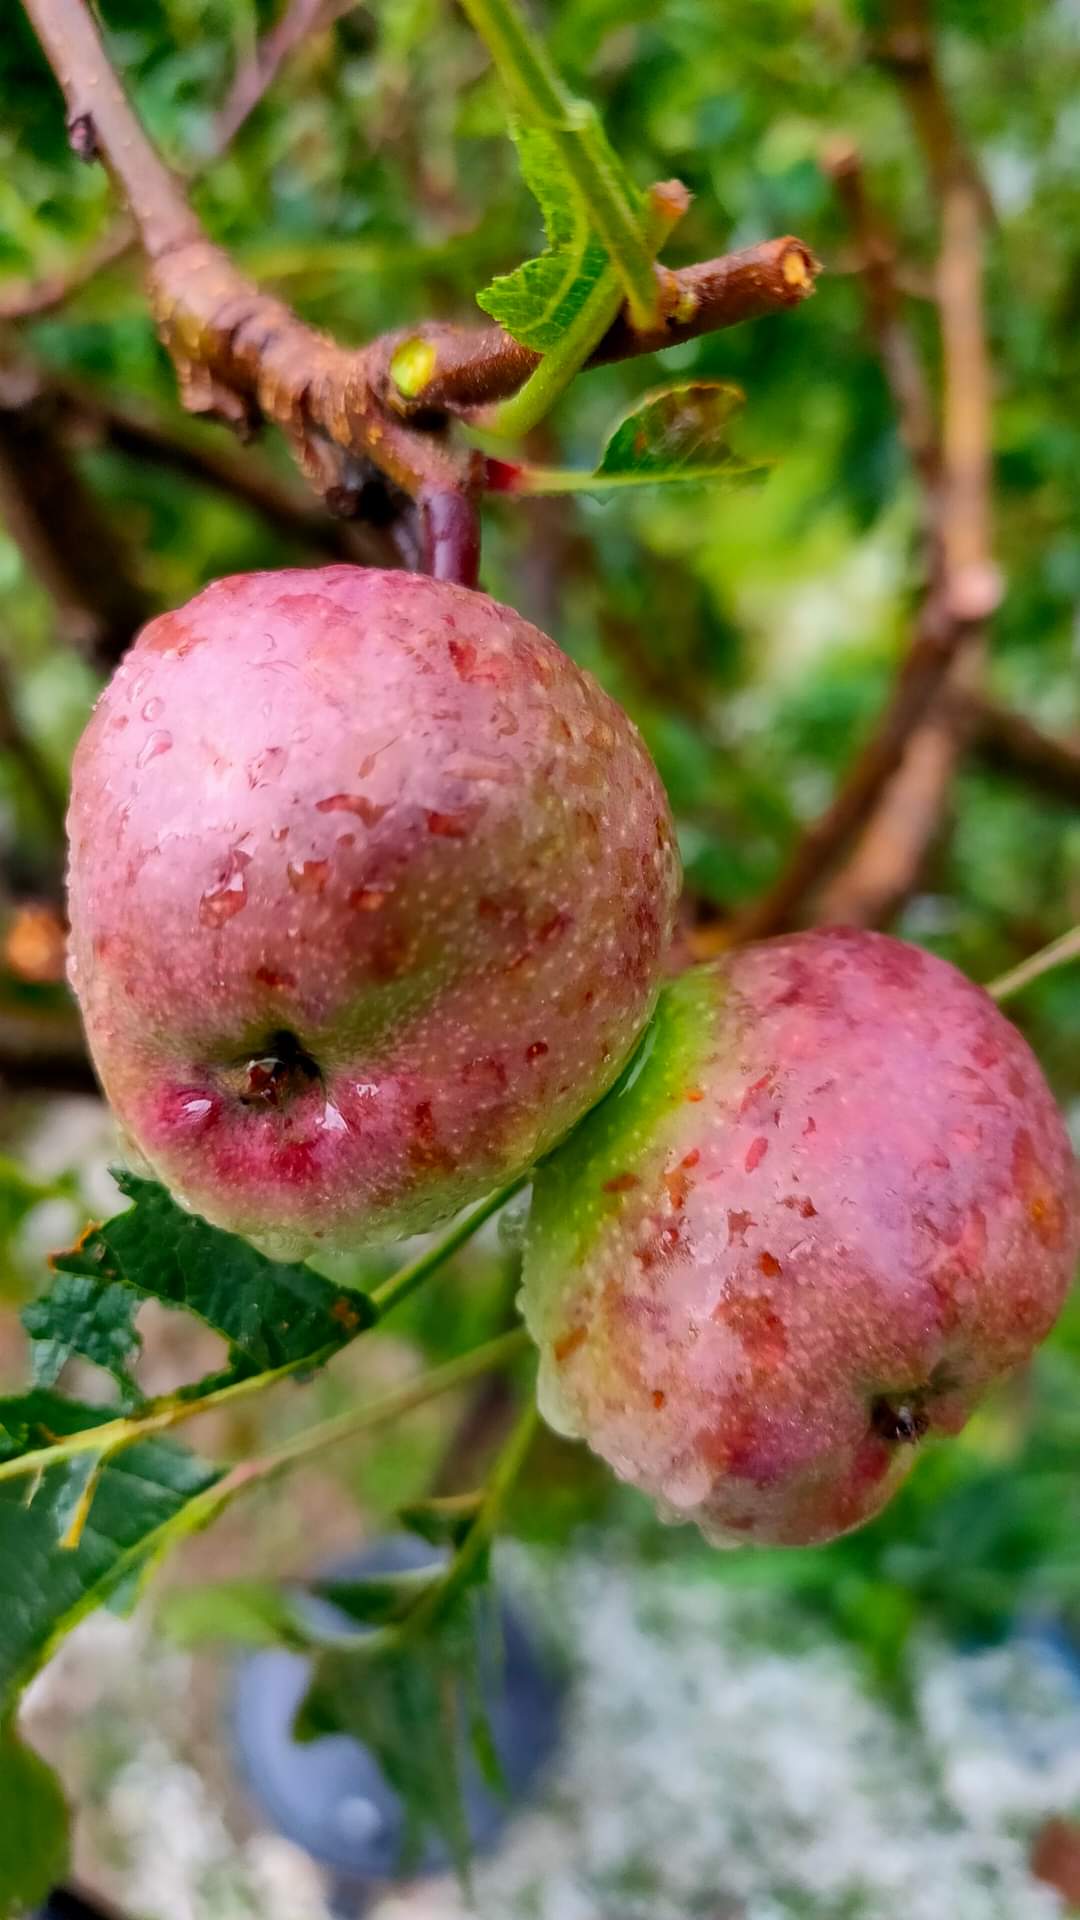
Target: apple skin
{"x": 830, "y": 1201}
{"x": 370, "y": 888}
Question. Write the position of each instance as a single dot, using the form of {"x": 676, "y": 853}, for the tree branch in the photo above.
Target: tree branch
{"x": 81, "y": 412}
{"x": 895, "y": 766}
{"x": 473, "y": 367}
{"x": 251, "y": 82}
{"x": 244, "y": 356}
{"x": 1010, "y": 743}
{"x": 67, "y": 541}
{"x": 298, "y": 21}
{"x": 877, "y": 263}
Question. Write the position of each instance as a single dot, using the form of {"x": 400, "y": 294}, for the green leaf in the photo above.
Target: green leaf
{"x": 272, "y": 1313}
{"x": 415, "y": 1698}
{"x": 380, "y": 1599}
{"x": 84, "y": 1315}
{"x": 541, "y": 299}
{"x": 143, "y": 1496}
{"x": 34, "y": 1826}
{"x": 255, "y": 1613}
{"x": 677, "y": 435}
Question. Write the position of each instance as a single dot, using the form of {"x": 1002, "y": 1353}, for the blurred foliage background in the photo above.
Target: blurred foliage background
{"x": 752, "y": 635}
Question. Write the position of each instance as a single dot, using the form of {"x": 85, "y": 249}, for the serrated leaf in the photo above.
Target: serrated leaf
{"x": 541, "y": 299}
{"x": 33, "y": 1826}
{"x": 46, "y": 1588}
{"x": 272, "y": 1313}
{"x": 81, "y": 1314}
{"x": 676, "y": 435}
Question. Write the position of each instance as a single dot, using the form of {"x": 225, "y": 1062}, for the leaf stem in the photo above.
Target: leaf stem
{"x": 563, "y": 362}
{"x": 403, "y": 1399}
{"x": 482, "y": 1531}
{"x": 407, "y": 1279}
{"x": 536, "y": 91}
{"x": 1057, "y": 953}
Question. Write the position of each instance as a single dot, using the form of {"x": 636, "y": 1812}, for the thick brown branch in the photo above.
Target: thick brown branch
{"x": 102, "y": 125}
{"x": 473, "y": 367}
{"x": 908, "y": 48}
{"x": 67, "y": 541}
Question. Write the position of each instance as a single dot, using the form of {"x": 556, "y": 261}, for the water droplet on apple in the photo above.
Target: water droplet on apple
{"x": 220, "y": 902}
{"x": 158, "y": 743}
{"x": 267, "y": 766}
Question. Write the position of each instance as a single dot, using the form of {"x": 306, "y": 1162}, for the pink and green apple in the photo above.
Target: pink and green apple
{"x": 830, "y": 1202}
{"x": 370, "y": 888}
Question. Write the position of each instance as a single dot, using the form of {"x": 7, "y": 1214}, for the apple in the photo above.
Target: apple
{"x": 370, "y": 888}
{"x": 830, "y": 1202}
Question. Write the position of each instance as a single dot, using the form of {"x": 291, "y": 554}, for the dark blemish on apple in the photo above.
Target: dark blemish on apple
{"x": 738, "y": 1225}
{"x": 448, "y": 826}
{"x": 266, "y": 977}
{"x": 902, "y": 1420}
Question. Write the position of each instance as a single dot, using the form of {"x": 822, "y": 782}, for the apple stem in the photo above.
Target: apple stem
{"x": 450, "y": 526}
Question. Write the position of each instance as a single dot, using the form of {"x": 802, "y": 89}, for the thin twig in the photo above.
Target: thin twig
{"x": 962, "y": 587}
{"x": 299, "y": 20}
{"x": 251, "y": 83}
{"x": 878, "y": 261}
{"x": 1010, "y": 743}
{"x": 66, "y": 539}
{"x": 1057, "y": 954}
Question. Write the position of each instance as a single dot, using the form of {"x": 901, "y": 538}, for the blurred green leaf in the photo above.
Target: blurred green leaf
{"x": 254, "y": 1613}
{"x": 415, "y": 1699}
{"x": 34, "y": 1829}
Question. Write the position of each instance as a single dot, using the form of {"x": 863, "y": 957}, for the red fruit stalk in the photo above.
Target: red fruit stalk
{"x": 369, "y": 890}
{"x": 830, "y": 1203}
